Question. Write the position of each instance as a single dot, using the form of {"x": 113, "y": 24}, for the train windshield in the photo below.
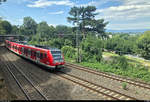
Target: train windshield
{"x": 57, "y": 56}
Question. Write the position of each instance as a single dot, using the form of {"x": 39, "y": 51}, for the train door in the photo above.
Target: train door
{"x": 37, "y": 56}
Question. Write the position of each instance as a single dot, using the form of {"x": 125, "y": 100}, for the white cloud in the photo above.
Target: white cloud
{"x": 54, "y": 25}
{"x": 46, "y": 3}
{"x": 128, "y": 26}
{"x": 136, "y": 2}
{"x": 55, "y": 13}
{"x": 19, "y": 1}
{"x": 92, "y": 3}
{"x": 129, "y": 9}
{"x": 95, "y": 3}
{"x": 135, "y": 11}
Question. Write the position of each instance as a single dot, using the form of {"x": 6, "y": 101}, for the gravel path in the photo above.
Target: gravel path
{"x": 54, "y": 87}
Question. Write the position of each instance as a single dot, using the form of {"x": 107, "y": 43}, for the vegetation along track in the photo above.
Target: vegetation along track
{"x": 113, "y": 77}
{"x": 21, "y": 79}
{"x": 95, "y": 88}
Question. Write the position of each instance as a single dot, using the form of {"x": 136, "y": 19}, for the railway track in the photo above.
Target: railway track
{"x": 106, "y": 75}
{"x": 92, "y": 87}
{"x": 95, "y": 88}
{"x": 28, "y": 88}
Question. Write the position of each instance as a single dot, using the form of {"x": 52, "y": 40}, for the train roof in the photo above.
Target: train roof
{"x": 37, "y": 46}
{"x": 47, "y": 47}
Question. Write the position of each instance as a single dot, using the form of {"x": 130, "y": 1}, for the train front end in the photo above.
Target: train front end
{"x": 57, "y": 58}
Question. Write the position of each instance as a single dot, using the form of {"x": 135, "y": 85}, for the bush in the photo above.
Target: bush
{"x": 87, "y": 57}
{"x": 119, "y": 62}
{"x": 124, "y": 85}
{"x": 143, "y": 43}
{"x": 67, "y": 42}
{"x": 69, "y": 51}
{"x": 122, "y": 62}
{"x": 92, "y": 49}
{"x": 58, "y": 43}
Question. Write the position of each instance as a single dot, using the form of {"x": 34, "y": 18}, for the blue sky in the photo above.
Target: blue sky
{"x": 121, "y": 14}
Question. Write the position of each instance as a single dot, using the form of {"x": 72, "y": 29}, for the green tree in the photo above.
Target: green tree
{"x": 85, "y": 14}
{"x": 6, "y": 26}
{"x": 43, "y": 30}
{"x": 2, "y": 1}
{"x": 68, "y": 51}
{"x": 29, "y": 26}
{"x": 144, "y": 44}
{"x": 52, "y": 32}
{"x": 2, "y": 30}
{"x": 122, "y": 44}
{"x": 15, "y": 30}
{"x": 67, "y": 42}
{"x": 62, "y": 29}
{"x": 57, "y": 42}
{"x": 66, "y": 33}
{"x": 120, "y": 62}
{"x": 99, "y": 27}
{"x": 92, "y": 47}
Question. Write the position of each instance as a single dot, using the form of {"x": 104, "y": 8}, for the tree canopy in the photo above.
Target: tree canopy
{"x": 5, "y": 27}
{"x": 2, "y": 1}
{"x": 29, "y": 26}
{"x": 144, "y": 44}
{"x": 85, "y": 17}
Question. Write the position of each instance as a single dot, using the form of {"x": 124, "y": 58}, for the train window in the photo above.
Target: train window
{"x": 38, "y": 54}
{"x": 25, "y": 51}
{"x": 41, "y": 55}
{"x": 45, "y": 55}
{"x": 34, "y": 53}
{"x": 22, "y": 49}
{"x": 29, "y": 52}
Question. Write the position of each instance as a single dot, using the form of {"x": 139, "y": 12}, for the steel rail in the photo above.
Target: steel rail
{"x": 132, "y": 98}
{"x": 28, "y": 80}
{"x": 18, "y": 83}
{"x": 136, "y": 83}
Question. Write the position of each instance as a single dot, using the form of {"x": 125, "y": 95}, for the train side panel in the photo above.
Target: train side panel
{"x": 38, "y": 55}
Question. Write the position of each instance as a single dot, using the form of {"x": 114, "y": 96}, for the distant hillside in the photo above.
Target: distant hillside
{"x": 127, "y": 31}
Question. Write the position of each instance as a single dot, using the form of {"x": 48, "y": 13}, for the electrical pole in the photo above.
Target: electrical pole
{"x": 77, "y": 38}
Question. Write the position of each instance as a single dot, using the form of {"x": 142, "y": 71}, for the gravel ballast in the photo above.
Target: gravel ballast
{"x": 54, "y": 87}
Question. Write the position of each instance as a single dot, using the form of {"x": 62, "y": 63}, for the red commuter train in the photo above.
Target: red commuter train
{"x": 43, "y": 55}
